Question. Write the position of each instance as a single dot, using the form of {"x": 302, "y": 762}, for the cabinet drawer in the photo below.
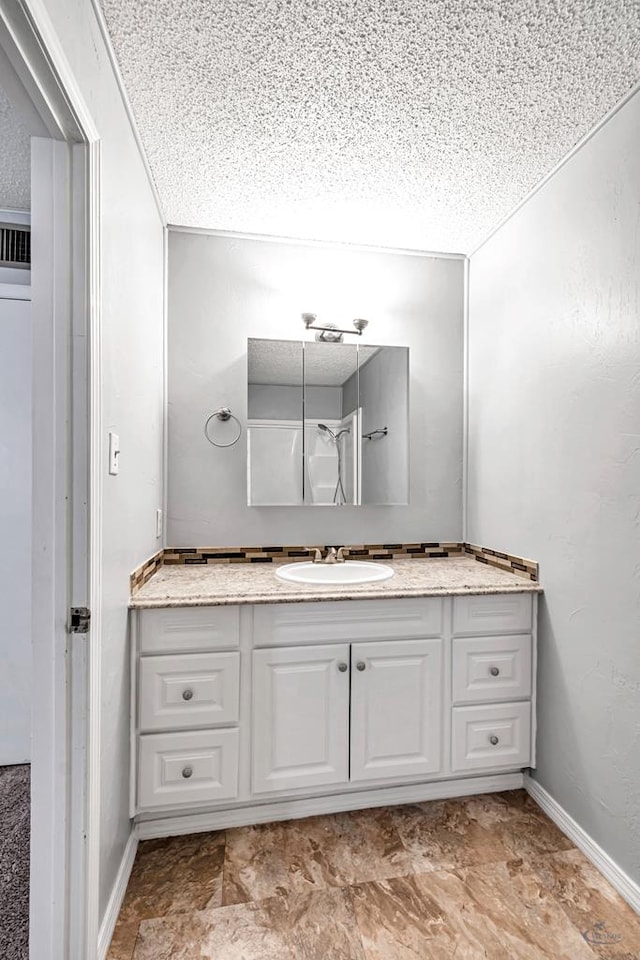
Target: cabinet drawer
{"x": 189, "y": 629}
{"x": 491, "y": 668}
{"x": 195, "y": 767}
{"x": 497, "y": 613}
{"x": 491, "y": 736}
{"x": 189, "y": 690}
{"x": 295, "y": 624}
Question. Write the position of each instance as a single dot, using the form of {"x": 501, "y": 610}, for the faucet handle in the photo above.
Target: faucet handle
{"x": 340, "y": 555}
{"x": 317, "y": 553}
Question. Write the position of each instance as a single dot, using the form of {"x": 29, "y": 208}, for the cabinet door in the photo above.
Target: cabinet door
{"x": 396, "y": 705}
{"x": 300, "y": 717}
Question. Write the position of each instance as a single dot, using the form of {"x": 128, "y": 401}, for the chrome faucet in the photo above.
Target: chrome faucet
{"x": 333, "y": 555}
{"x": 317, "y": 558}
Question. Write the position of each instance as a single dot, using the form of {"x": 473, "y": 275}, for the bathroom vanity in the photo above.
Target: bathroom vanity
{"x": 255, "y": 700}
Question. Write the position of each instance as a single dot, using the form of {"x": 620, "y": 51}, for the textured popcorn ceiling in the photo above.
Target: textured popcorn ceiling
{"x": 280, "y": 362}
{"x": 415, "y": 123}
{"x": 15, "y": 159}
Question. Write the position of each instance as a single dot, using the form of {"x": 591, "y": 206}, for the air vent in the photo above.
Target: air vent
{"x": 15, "y": 246}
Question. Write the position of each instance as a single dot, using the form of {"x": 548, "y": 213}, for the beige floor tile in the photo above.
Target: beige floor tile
{"x": 527, "y": 919}
{"x": 311, "y": 926}
{"x": 170, "y": 875}
{"x": 315, "y": 853}
{"x": 443, "y": 835}
{"x": 519, "y": 823}
{"x": 492, "y": 912}
{"x": 123, "y": 941}
{"x": 400, "y": 920}
{"x": 605, "y": 920}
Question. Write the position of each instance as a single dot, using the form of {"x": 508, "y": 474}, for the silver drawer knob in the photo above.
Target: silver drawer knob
{"x": 493, "y": 740}
{"x": 495, "y": 671}
{"x": 361, "y": 665}
{"x": 187, "y": 694}
{"x": 343, "y": 667}
{"x": 187, "y": 772}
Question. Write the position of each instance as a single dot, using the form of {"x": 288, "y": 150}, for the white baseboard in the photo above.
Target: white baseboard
{"x": 108, "y": 924}
{"x": 609, "y": 869}
{"x": 181, "y": 823}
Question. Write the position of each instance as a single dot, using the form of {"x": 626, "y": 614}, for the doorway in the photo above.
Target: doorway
{"x": 15, "y": 609}
{"x": 15, "y": 515}
{"x": 55, "y": 439}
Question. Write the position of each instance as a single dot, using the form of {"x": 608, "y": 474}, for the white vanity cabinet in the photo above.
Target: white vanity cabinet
{"x": 338, "y": 713}
{"x": 246, "y": 713}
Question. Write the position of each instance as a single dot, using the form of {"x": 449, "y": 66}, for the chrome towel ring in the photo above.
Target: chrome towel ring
{"x": 222, "y": 415}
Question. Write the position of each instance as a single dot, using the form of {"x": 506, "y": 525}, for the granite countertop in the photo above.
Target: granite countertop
{"x": 222, "y": 584}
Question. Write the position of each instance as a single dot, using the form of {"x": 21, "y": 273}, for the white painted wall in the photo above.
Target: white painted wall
{"x": 15, "y": 525}
{"x": 554, "y": 467}
{"x": 15, "y": 275}
{"x": 132, "y": 393}
{"x": 222, "y": 291}
{"x": 268, "y": 401}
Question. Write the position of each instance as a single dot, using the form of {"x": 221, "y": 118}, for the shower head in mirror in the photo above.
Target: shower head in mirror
{"x": 325, "y": 429}
{"x": 334, "y": 436}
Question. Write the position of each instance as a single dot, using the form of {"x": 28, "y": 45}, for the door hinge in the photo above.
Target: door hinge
{"x": 79, "y": 620}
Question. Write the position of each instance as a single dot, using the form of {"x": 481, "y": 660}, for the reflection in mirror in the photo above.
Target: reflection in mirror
{"x": 331, "y": 424}
{"x": 328, "y": 424}
{"x": 384, "y": 405}
{"x": 274, "y": 425}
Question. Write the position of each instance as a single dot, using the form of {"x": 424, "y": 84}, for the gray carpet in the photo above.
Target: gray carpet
{"x": 14, "y": 862}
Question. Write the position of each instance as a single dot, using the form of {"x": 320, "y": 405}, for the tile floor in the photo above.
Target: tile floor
{"x": 484, "y": 877}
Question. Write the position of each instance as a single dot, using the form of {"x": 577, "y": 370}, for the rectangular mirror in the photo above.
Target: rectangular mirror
{"x": 328, "y": 424}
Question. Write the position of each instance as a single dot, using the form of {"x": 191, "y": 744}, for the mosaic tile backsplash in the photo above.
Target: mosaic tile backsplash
{"x": 376, "y": 551}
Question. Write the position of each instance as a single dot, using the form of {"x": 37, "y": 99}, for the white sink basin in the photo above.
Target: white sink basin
{"x": 351, "y": 571}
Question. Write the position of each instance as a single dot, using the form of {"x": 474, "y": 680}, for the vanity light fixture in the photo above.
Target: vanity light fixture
{"x": 329, "y": 333}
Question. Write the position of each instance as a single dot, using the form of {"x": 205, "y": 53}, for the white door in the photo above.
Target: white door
{"x": 300, "y": 717}
{"x": 15, "y": 525}
{"x": 396, "y": 691}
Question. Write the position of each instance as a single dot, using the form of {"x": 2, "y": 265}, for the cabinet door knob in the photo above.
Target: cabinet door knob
{"x": 187, "y": 694}
{"x": 493, "y": 740}
{"x": 495, "y": 671}
{"x": 361, "y": 665}
{"x": 186, "y": 772}
{"x": 343, "y": 667}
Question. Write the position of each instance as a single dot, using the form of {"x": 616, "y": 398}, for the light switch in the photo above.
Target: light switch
{"x": 114, "y": 453}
